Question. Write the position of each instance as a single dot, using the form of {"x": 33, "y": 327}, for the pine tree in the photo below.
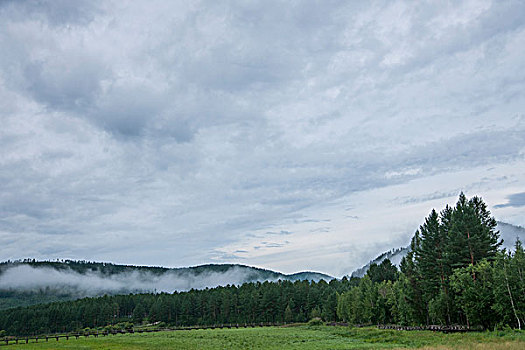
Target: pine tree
{"x": 517, "y": 270}
{"x": 429, "y": 256}
{"x": 509, "y": 287}
{"x": 288, "y": 315}
{"x": 138, "y": 313}
{"x": 413, "y": 293}
{"x": 329, "y": 305}
{"x": 385, "y": 271}
{"x": 472, "y": 236}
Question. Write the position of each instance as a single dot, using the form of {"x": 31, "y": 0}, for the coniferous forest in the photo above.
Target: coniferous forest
{"x": 455, "y": 273}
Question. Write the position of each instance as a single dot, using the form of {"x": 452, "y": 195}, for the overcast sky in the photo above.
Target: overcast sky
{"x": 291, "y": 135}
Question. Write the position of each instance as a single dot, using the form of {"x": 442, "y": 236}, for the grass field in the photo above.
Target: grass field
{"x": 301, "y": 337}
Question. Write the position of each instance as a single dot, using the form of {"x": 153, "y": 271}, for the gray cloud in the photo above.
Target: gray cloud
{"x": 321, "y": 229}
{"x": 91, "y": 284}
{"x": 282, "y": 232}
{"x": 56, "y": 13}
{"x": 163, "y": 132}
{"x": 274, "y": 244}
{"x": 514, "y": 200}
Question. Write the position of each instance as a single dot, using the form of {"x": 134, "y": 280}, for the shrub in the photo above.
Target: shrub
{"x": 316, "y": 321}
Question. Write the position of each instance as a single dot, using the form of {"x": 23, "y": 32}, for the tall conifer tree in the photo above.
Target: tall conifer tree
{"x": 472, "y": 236}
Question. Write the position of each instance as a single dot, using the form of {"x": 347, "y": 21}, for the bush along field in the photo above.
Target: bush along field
{"x": 455, "y": 274}
{"x": 291, "y": 337}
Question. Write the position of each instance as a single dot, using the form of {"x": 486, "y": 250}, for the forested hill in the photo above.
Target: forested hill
{"x": 29, "y": 282}
{"x": 508, "y": 233}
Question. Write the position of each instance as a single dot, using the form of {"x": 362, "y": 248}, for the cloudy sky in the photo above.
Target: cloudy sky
{"x": 289, "y": 135}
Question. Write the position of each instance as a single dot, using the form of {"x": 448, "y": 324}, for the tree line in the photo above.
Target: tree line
{"x": 453, "y": 274}
{"x": 281, "y": 301}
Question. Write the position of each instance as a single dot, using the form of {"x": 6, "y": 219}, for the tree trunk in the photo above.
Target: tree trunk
{"x": 510, "y": 294}
{"x": 471, "y": 255}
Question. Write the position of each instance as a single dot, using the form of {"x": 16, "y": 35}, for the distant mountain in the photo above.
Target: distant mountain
{"x": 508, "y": 233}
{"x": 394, "y": 255}
{"x": 29, "y": 282}
{"x": 308, "y": 276}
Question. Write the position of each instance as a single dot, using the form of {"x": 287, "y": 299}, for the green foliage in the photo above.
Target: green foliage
{"x": 472, "y": 235}
{"x": 316, "y": 321}
{"x": 493, "y": 285}
{"x": 282, "y": 301}
{"x": 15, "y": 298}
{"x": 438, "y": 308}
{"x": 454, "y": 239}
{"x": 288, "y": 314}
{"x": 509, "y": 287}
{"x": 413, "y": 292}
{"x": 430, "y": 256}
{"x": 453, "y": 274}
{"x": 139, "y": 312}
{"x": 385, "y": 271}
{"x": 315, "y": 313}
{"x": 399, "y": 302}
{"x": 474, "y": 295}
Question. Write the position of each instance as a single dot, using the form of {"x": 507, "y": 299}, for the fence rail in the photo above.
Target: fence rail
{"x": 77, "y": 335}
{"x": 434, "y": 328}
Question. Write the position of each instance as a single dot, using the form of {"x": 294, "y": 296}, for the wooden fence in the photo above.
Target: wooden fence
{"x": 434, "y": 328}
{"x": 67, "y": 336}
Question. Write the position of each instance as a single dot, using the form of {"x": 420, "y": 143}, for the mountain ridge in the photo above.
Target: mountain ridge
{"x": 27, "y": 282}
{"x": 106, "y": 268}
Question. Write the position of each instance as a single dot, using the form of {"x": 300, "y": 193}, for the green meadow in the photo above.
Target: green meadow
{"x": 298, "y": 337}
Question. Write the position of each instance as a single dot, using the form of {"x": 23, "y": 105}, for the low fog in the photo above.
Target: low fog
{"x": 509, "y": 233}
{"x": 31, "y": 279}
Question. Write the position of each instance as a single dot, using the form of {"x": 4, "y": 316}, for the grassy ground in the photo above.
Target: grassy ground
{"x": 301, "y": 337}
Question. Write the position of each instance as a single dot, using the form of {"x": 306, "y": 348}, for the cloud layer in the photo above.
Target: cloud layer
{"x": 27, "y": 278}
{"x": 267, "y": 133}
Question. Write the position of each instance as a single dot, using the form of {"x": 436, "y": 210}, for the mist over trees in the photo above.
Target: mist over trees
{"x": 454, "y": 274}
{"x": 29, "y": 282}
